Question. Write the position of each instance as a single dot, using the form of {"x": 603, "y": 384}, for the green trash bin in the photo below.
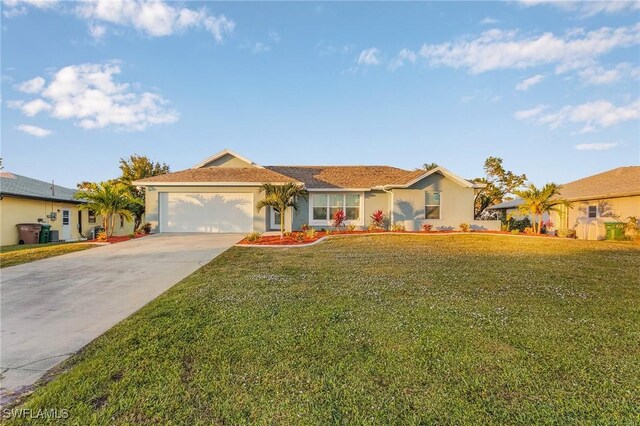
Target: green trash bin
{"x": 614, "y": 230}
{"x": 44, "y": 233}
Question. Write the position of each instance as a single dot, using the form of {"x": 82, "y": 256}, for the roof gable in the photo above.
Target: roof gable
{"x": 226, "y": 158}
{"x": 416, "y": 176}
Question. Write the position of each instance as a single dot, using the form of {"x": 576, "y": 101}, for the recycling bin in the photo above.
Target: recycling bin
{"x": 29, "y": 233}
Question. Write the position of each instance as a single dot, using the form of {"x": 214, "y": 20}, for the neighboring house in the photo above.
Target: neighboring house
{"x": 27, "y": 200}
{"x": 510, "y": 209}
{"x": 220, "y": 194}
{"x": 611, "y": 196}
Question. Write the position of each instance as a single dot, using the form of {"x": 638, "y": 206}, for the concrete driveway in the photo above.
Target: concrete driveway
{"x": 51, "y": 308}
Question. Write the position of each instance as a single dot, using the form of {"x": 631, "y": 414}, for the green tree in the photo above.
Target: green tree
{"x": 538, "y": 201}
{"x": 280, "y": 198}
{"x": 108, "y": 199}
{"x": 499, "y": 183}
{"x": 134, "y": 168}
{"x": 429, "y": 166}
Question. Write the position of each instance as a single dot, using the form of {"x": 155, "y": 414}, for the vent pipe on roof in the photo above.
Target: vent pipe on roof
{"x": 53, "y": 190}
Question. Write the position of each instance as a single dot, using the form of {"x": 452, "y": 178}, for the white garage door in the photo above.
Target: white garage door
{"x": 206, "y": 212}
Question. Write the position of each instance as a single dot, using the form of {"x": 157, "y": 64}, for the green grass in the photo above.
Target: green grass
{"x": 376, "y": 330}
{"x": 18, "y": 254}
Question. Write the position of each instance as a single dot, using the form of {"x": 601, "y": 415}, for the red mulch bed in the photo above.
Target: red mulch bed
{"x": 113, "y": 240}
{"x": 292, "y": 239}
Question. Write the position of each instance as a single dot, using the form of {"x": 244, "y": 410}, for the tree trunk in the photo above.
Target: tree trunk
{"x": 137, "y": 222}
{"x": 540, "y": 224}
{"x": 282, "y": 223}
{"x": 106, "y": 222}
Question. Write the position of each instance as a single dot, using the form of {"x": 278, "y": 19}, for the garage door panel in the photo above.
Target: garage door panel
{"x": 206, "y": 212}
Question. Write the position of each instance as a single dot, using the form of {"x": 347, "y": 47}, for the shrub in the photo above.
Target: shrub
{"x": 529, "y": 230}
{"x": 377, "y": 220}
{"x": 311, "y": 233}
{"x": 304, "y": 227}
{"x": 328, "y": 232}
{"x": 351, "y": 227}
{"x": 145, "y": 228}
{"x": 465, "y": 227}
{"x": 547, "y": 227}
{"x": 519, "y": 224}
{"x": 397, "y": 227}
{"x": 102, "y": 236}
{"x": 566, "y": 233}
{"x": 253, "y": 237}
{"x": 426, "y": 227}
{"x": 287, "y": 234}
{"x": 300, "y": 237}
{"x": 515, "y": 231}
{"x": 631, "y": 228}
{"x": 372, "y": 228}
{"x": 338, "y": 219}
{"x": 132, "y": 235}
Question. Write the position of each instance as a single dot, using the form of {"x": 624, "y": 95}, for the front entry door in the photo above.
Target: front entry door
{"x": 66, "y": 225}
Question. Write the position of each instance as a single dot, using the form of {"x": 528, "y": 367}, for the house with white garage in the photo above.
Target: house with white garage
{"x": 219, "y": 194}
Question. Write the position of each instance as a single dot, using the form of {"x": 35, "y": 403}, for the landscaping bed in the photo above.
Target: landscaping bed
{"x": 456, "y": 329}
{"x": 298, "y": 238}
{"x": 118, "y": 239}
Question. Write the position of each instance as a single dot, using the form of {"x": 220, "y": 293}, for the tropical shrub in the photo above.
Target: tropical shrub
{"x": 145, "y": 228}
{"x": 304, "y": 227}
{"x": 338, "y": 219}
{"x": 109, "y": 199}
{"x": 538, "y": 201}
{"x": 311, "y": 233}
{"x": 253, "y": 237}
{"x": 465, "y": 227}
{"x": 529, "y": 230}
{"x": 280, "y": 198}
{"x": 351, "y": 227}
{"x": 547, "y": 226}
{"x": 426, "y": 227}
{"x": 515, "y": 231}
{"x": 518, "y": 224}
{"x": 102, "y": 237}
{"x": 377, "y": 220}
{"x": 300, "y": 237}
{"x": 132, "y": 235}
{"x": 631, "y": 228}
{"x": 398, "y": 227}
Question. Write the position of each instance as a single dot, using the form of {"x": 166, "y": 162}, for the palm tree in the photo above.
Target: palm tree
{"x": 108, "y": 199}
{"x": 537, "y": 201}
{"x": 280, "y": 198}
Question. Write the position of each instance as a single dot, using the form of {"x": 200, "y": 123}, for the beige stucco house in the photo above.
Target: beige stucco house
{"x": 27, "y": 200}
{"x": 220, "y": 193}
{"x": 611, "y": 196}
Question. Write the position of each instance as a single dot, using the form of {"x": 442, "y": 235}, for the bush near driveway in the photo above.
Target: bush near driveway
{"x": 395, "y": 329}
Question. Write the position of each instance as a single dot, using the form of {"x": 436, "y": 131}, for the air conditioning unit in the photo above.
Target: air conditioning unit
{"x": 54, "y": 236}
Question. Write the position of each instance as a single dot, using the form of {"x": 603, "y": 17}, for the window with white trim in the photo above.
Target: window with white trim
{"x": 431, "y": 205}
{"x": 324, "y": 206}
{"x": 592, "y": 212}
{"x": 92, "y": 216}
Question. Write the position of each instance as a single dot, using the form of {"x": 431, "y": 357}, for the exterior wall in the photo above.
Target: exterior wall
{"x": 228, "y": 160}
{"x": 609, "y": 210}
{"x": 456, "y": 206}
{"x": 152, "y": 204}
{"x": 15, "y": 210}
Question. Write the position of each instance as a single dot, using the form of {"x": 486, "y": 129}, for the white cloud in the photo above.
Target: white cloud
{"x": 598, "y": 75}
{"x": 328, "y": 49}
{"x": 260, "y": 48}
{"x": 489, "y": 21}
{"x": 499, "y": 49}
{"x": 34, "y": 130}
{"x": 528, "y": 82}
{"x": 97, "y": 32}
{"x": 595, "y": 146}
{"x": 592, "y": 115}
{"x": 88, "y": 95}
{"x": 586, "y": 9}
{"x": 369, "y": 57}
{"x": 405, "y": 55}
{"x": 155, "y": 18}
{"x": 34, "y": 85}
{"x": 530, "y": 113}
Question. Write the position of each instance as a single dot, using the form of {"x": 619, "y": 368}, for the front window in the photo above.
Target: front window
{"x": 324, "y": 206}
{"x": 432, "y": 205}
{"x": 593, "y": 212}
{"x": 92, "y": 216}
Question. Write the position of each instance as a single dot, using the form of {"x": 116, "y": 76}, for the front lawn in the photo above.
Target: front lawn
{"x": 16, "y": 255}
{"x": 376, "y": 330}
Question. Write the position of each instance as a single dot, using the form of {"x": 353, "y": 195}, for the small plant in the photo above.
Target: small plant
{"x": 253, "y": 237}
{"x": 300, "y": 237}
{"x": 132, "y": 235}
{"x": 351, "y": 227}
{"x": 304, "y": 227}
{"x": 328, "y": 232}
{"x": 631, "y": 228}
{"x": 566, "y": 233}
{"x": 311, "y": 233}
{"x": 398, "y": 227}
{"x": 287, "y": 234}
{"x": 338, "y": 219}
{"x": 547, "y": 227}
{"x": 426, "y": 227}
{"x": 102, "y": 236}
{"x": 529, "y": 230}
{"x": 465, "y": 227}
{"x": 373, "y": 228}
{"x": 145, "y": 228}
{"x": 377, "y": 220}
{"x": 515, "y": 231}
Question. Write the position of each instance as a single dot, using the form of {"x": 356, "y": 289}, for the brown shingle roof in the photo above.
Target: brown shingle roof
{"x": 618, "y": 182}
{"x": 220, "y": 174}
{"x": 342, "y": 176}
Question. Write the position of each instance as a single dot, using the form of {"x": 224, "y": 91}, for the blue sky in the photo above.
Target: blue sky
{"x": 552, "y": 88}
